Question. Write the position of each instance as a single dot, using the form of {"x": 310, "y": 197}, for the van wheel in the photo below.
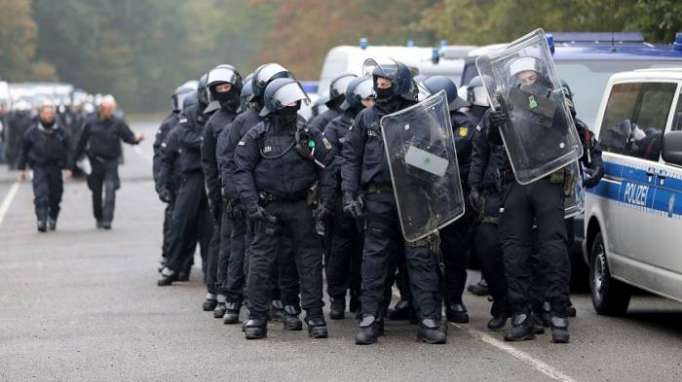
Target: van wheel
{"x": 609, "y": 296}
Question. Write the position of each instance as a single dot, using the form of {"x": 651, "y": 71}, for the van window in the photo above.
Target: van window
{"x": 635, "y": 118}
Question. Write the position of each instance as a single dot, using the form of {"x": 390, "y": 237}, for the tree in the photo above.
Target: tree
{"x": 18, "y": 42}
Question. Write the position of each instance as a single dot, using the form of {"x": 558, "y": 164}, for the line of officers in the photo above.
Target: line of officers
{"x": 267, "y": 195}
{"x": 51, "y": 143}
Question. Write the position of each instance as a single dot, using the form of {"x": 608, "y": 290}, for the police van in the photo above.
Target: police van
{"x": 633, "y": 217}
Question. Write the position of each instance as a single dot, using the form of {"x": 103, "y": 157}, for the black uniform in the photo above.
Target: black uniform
{"x": 540, "y": 203}
{"x": 45, "y": 150}
{"x": 233, "y": 284}
{"x": 218, "y": 253}
{"x": 345, "y": 251}
{"x": 365, "y": 171}
{"x": 487, "y": 165}
{"x": 168, "y": 124}
{"x": 456, "y": 238}
{"x": 270, "y": 172}
{"x": 191, "y": 223}
{"x": 101, "y": 140}
{"x": 18, "y": 122}
{"x": 285, "y": 285}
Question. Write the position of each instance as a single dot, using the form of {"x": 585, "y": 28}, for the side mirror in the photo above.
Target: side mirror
{"x": 672, "y": 147}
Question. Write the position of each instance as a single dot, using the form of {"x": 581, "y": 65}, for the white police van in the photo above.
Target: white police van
{"x": 633, "y": 218}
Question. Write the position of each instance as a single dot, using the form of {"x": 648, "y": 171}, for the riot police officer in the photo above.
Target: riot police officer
{"x": 191, "y": 217}
{"x": 365, "y": 172}
{"x": 169, "y": 123}
{"x": 540, "y": 203}
{"x": 456, "y": 238}
{"x": 45, "y": 149}
{"x": 277, "y": 162}
{"x": 284, "y": 285}
{"x": 102, "y": 135}
{"x": 486, "y": 198}
{"x": 224, "y": 84}
{"x": 345, "y": 251}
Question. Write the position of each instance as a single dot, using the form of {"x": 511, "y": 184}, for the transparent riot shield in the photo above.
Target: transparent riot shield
{"x": 423, "y": 163}
{"x": 540, "y": 136}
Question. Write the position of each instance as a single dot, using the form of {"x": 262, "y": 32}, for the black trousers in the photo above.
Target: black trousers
{"x": 489, "y": 251}
{"x": 48, "y": 188}
{"x": 345, "y": 256}
{"x": 382, "y": 246}
{"x": 235, "y": 280}
{"x": 540, "y": 203}
{"x": 191, "y": 224}
{"x": 103, "y": 181}
{"x": 456, "y": 241}
{"x": 294, "y": 221}
{"x": 216, "y": 261}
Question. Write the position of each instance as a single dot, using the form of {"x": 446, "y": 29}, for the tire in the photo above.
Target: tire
{"x": 610, "y": 297}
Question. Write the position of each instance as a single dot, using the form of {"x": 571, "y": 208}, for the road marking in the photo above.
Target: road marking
{"x": 526, "y": 358}
{"x": 7, "y": 201}
{"x": 536, "y": 364}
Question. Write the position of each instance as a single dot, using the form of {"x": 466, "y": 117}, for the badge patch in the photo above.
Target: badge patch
{"x": 327, "y": 144}
{"x": 267, "y": 149}
{"x": 463, "y": 131}
{"x": 532, "y": 103}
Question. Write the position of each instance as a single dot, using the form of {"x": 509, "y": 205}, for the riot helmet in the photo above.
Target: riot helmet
{"x": 359, "y": 88}
{"x": 476, "y": 91}
{"x": 181, "y": 92}
{"x": 225, "y": 74}
{"x": 400, "y": 76}
{"x": 282, "y": 93}
{"x": 337, "y": 89}
{"x": 263, "y": 75}
{"x": 433, "y": 85}
{"x": 202, "y": 91}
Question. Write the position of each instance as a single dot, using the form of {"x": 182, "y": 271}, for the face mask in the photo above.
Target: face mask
{"x": 384, "y": 94}
{"x": 288, "y": 115}
{"x": 228, "y": 99}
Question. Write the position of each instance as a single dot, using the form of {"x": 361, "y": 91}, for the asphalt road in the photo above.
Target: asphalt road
{"x": 82, "y": 305}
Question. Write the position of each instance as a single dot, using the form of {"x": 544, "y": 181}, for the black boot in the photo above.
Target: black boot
{"x": 106, "y": 225}
{"x": 546, "y": 314}
{"x": 337, "y": 310}
{"x": 167, "y": 277}
{"x": 538, "y": 325}
{"x": 231, "y": 313}
{"x": 219, "y": 311}
{"x": 276, "y": 310}
{"x": 367, "y": 331}
{"x": 210, "y": 303}
{"x": 497, "y": 323}
{"x": 42, "y": 226}
{"x": 52, "y": 224}
{"x": 559, "y": 327}
{"x": 522, "y": 328}
{"x": 431, "y": 332}
{"x": 290, "y": 318}
{"x": 457, "y": 313}
{"x": 255, "y": 328}
{"x": 402, "y": 311}
{"x": 572, "y": 312}
{"x": 317, "y": 327}
{"x": 183, "y": 276}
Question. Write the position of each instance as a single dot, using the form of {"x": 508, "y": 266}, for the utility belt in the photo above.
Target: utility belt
{"x": 266, "y": 197}
{"x": 378, "y": 189}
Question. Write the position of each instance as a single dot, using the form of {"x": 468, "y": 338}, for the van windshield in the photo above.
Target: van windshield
{"x": 588, "y": 79}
